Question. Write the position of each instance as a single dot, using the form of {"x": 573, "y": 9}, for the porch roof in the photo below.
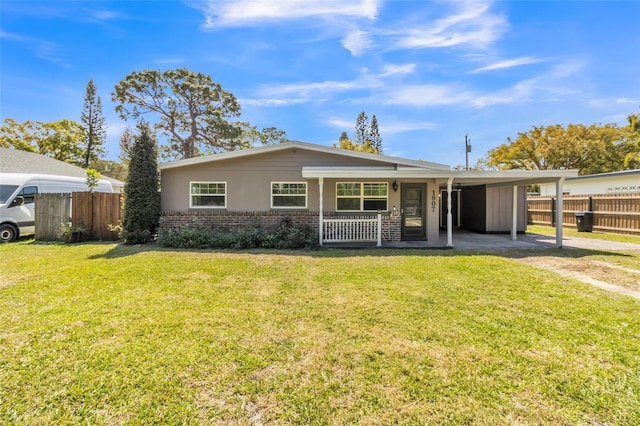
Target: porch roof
{"x": 462, "y": 177}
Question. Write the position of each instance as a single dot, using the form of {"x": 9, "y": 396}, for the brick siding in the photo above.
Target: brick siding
{"x": 221, "y": 219}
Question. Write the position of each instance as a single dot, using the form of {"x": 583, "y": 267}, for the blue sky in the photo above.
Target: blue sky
{"x": 431, "y": 71}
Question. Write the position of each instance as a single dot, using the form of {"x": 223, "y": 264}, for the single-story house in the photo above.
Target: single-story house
{"x": 346, "y": 195}
{"x": 622, "y": 182}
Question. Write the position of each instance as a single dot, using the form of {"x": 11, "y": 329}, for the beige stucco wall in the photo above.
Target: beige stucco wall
{"x": 433, "y": 211}
{"x": 249, "y": 179}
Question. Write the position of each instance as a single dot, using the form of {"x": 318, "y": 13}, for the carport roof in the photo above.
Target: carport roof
{"x": 462, "y": 177}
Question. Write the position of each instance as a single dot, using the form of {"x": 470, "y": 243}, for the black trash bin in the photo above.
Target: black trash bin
{"x": 584, "y": 221}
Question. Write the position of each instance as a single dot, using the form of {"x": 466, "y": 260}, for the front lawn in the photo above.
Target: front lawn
{"x": 109, "y": 334}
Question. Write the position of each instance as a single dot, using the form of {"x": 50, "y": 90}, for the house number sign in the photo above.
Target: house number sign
{"x": 433, "y": 200}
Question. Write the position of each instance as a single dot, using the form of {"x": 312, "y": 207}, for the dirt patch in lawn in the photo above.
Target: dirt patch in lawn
{"x": 602, "y": 274}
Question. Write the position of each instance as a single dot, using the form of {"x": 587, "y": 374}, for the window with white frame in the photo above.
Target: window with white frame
{"x": 208, "y": 195}
{"x": 361, "y": 196}
{"x": 289, "y": 195}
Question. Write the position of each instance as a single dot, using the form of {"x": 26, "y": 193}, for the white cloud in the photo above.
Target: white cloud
{"x": 387, "y": 127}
{"x": 391, "y": 69}
{"x": 165, "y": 61}
{"x": 228, "y": 13}
{"x": 324, "y": 87}
{"x": 274, "y": 102}
{"x": 553, "y": 82}
{"x": 393, "y": 127}
{"x": 287, "y": 94}
{"x": 42, "y": 49}
{"x": 627, "y": 101}
{"x": 508, "y": 63}
{"x": 473, "y": 24}
{"x": 114, "y": 130}
{"x": 340, "y": 123}
{"x": 104, "y": 15}
{"x": 356, "y": 42}
{"x": 424, "y": 95}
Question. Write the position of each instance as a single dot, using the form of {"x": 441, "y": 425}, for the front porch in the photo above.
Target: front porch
{"x": 495, "y": 202}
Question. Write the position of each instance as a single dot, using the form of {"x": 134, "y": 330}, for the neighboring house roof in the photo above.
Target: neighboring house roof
{"x": 607, "y": 175}
{"x": 17, "y": 161}
{"x": 395, "y": 161}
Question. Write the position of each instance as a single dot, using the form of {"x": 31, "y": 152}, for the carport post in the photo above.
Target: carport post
{"x": 320, "y": 215}
{"x": 559, "y": 212}
{"x": 514, "y": 213}
{"x": 449, "y": 215}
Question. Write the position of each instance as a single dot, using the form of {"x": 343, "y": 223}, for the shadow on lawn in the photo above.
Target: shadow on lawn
{"x": 122, "y": 250}
{"x": 569, "y": 253}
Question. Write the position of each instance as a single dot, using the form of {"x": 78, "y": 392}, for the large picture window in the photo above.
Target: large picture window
{"x": 208, "y": 194}
{"x": 361, "y": 196}
{"x": 289, "y": 195}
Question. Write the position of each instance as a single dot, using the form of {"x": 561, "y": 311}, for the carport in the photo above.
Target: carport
{"x": 431, "y": 183}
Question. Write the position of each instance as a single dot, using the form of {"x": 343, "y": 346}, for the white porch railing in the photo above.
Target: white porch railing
{"x": 343, "y": 230}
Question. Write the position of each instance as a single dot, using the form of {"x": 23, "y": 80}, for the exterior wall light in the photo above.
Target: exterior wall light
{"x": 394, "y": 185}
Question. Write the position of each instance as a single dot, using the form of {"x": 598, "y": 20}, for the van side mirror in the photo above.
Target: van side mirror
{"x": 18, "y": 201}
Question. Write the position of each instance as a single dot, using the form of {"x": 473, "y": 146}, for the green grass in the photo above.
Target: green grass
{"x": 548, "y": 230}
{"x": 110, "y": 334}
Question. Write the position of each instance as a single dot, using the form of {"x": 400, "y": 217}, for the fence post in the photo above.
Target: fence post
{"x": 553, "y": 211}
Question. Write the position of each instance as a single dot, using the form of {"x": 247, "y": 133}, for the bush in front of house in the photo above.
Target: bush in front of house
{"x": 141, "y": 211}
{"x": 287, "y": 236}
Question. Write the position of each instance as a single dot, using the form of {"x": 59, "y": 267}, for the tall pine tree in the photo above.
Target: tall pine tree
{"x": 141, "y": 196}
{"x": 374, "y": 135}
{"x": 362, "y": 129}
{"x": 93, "y": 123}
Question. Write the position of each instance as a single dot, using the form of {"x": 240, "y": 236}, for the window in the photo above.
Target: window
{"x": 208, "y": 195}
{"x": 6, "y": 191}
{"x": 361, "y": 196}
{"x": 29, "y": 194}
{"x": 289, "y": 195}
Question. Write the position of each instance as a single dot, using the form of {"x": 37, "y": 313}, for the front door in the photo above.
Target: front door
{"x": 412, "y": 204}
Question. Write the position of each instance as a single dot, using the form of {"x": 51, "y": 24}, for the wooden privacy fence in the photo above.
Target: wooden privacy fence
{"x": 91, "y": 212}
{"x": 619, "y": 213}
{"x": 51, "y": 212}
{"x": 95, "y": 211}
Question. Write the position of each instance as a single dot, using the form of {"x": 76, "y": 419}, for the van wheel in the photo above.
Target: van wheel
{"x": 8, "y": 233}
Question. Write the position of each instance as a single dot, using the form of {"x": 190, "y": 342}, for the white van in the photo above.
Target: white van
{"x": 17, "y": 197}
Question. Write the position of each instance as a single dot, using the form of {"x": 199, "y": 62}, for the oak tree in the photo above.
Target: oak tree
{"x": 62, "y": 139}
{"x": 345, "y": 143}
{"x": 589, "y": 149}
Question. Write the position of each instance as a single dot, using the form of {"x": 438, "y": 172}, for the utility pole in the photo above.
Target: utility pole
{"x": 467, "y": 146}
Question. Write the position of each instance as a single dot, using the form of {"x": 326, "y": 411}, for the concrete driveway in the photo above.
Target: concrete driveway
{"x": 465, "y": 240}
